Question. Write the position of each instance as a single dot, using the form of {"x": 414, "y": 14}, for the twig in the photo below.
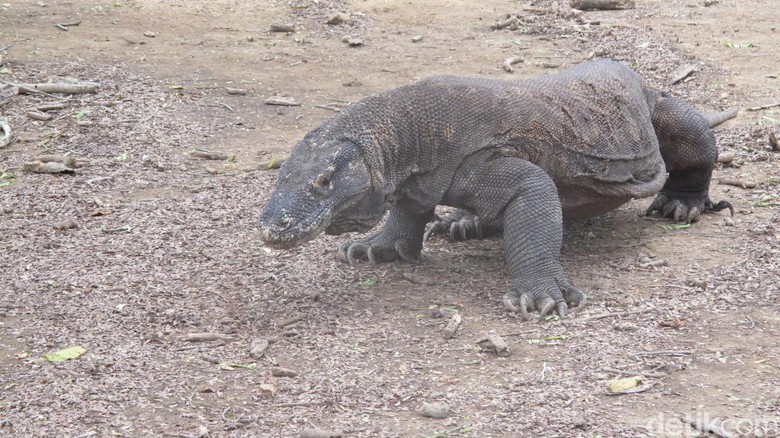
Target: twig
{"x": 205, "y": 337}
{"x": 682, "y": 73}
{"x": 65, "y": 26}
{"x": 602, "y": 4}
{"x": 64, "y": 88}
{"x": 290, "y": 321}
{"x": 3, "y": 49}
{"x": 448, "y": 364}
{"x": 294, "y": 405}
{"x": 633, "y": 373}
{"x": 329, "y": 107}
{"x": 737, "y": 183}
{"x": 664, "y": 353}
{"x": 605, "y": 315}
{"x": 507, "y": 65}
{"x": 763, "y": 107}
{"x": 8, "y": 134}
{"x": 707, "y": 427}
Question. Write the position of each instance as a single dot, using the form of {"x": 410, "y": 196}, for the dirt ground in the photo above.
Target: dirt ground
{"x": 166, "y": 244}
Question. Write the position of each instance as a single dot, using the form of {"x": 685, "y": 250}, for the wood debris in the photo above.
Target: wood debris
{"x": 65, "y": 26}
{"x": 586, "y": 5}
{"x": 282, "y": 101}
{"x": 209, "y": 155}
{"x": 509, "y": 62}
{"x": 452, "y": 326}
{"x": 737, "y": 183}
{"x": 235, "y": 91}
{"x": 288, "y": 28}
{"x": 494, "y": 344}
{"x": 206, "y": 337}
{"x": 61, "y": 87}
{"x": 682, "y": 73}
{"x": 37, "y": 115}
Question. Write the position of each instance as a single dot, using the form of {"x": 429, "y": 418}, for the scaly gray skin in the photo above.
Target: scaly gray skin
{"x": 518, "y": 155}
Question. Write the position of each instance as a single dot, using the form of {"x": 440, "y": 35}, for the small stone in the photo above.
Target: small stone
{"x": 417, "y": 38}
{"x": 340, "y": 18}
{"x": 258, "y": 347}
{"x": 67, "y": 224}
{"x": 433, "y": 410}
{"x": 352, "y": 41}
{"x": 452, "y": 326}
{"x": 495, "y": 344}
{"x": 267, "y": 390}
{"x": 283, "y": 372}
{"x": 579, "y": 420}
{"x": 319, "y": 433}
{"x": 235, "y": 91}
{"x": 419, "y": 279}
{"x": 150, "y": 34}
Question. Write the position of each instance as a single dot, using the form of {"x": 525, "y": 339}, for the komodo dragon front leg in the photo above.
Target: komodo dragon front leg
{"x": 400, "y": 238}
{"x": 517, "y": 196}
{"x": 689, "y": 151}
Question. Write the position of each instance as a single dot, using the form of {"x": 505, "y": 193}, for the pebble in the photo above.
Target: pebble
{"x": 339, "y": 18}
{"x": 283, "y": 372}
{"x": 319, "y": 433}
{"x": 258, "y": 347}
{"x": 433, "y": 410}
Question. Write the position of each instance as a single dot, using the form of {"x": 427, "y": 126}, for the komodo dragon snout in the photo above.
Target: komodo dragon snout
{"x": 313, "y": 194}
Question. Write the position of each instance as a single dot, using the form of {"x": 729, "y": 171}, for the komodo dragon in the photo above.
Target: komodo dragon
{"x": 518, "y": 155}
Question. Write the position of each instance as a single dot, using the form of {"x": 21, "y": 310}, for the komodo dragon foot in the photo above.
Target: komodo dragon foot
{"x": 682, "y": 206}
{"x": 378, "y": 249}
{"x": 460, "y": 225}
{"x": 545, "y": 295}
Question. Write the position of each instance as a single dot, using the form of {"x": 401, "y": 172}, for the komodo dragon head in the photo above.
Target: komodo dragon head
{"x": 325, "y": 185}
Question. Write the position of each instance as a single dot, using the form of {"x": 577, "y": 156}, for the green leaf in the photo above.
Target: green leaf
{"x": 6, "y": 184}
{"x": 762, "y": 204}
{"x": 368, "y": 282}
{"x": 80, "y": 115}
{"x": 7, "y": 175}
{"x": 675, "y": 227}
{"x": 66, "y": 354}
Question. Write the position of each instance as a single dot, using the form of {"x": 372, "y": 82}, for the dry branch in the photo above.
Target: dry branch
{"x": 682, "y": 73}
{"x": 763, "y": 107}
{"x": 282, "y": 28}
{"x": 507, "y": 65}
{"x": 63, "y": 88}
{"x": 281, "y": 101}
{"x": 208, "y": 155}
{"x": 737, "y": 183}
{"x": 8, "y": 134}
{"x": 205, "y": 337}
{"x": 52, "y": 106}
{"x": 585, "y": 5}
{"x": 604, "y": 315}
{"x": 37, "y": 115}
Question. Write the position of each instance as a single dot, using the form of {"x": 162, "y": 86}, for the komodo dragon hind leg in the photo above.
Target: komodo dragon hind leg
{"x": 519, "y": 197}
{"x": 688, "y": 149}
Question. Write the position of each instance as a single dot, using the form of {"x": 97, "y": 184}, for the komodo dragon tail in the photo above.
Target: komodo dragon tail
{"x": 715, "y": 119}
